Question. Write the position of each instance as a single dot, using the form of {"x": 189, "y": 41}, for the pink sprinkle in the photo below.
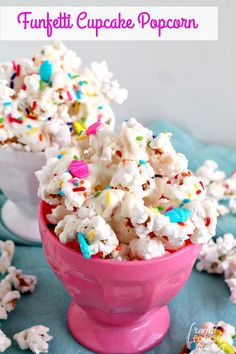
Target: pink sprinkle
{"x": 168, "y": 209}
{"x": 14, "y": 65}
{"x": 71, "y": 180}
{"x": 69, "y": 95}
{"x": 79, "y": 169}
{"x": 99, "y": 117}
{"x": 94, "y": 128}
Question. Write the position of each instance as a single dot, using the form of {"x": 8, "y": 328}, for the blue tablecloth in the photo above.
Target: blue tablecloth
{"x": 205, "y": 297}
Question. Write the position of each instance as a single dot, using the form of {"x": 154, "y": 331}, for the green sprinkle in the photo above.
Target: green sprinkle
{"x": 149, "y": 143}
{"x": 75, "y": 157}
{"x": 234, "y": 336}
{"x": 85, "y": 82}
{"x": 97, "y": 194}
{"x": 139, "y": 138}
{"x": 75, "y": 76}
{"x": 160, "y": 208}
{"x": 100, "y": 107}
{"x": 165, "y": 132}
{"x": 1, "y": 120}
{"x": 41, "y": 85}
{"x": 42, "y": 51}
{"x": 83, "y": 119}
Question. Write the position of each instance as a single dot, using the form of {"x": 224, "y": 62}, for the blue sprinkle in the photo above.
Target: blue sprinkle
{"x": 100, "y": 107}
{"x": 193, "y": 345}
{"x": 154, "y": 136}
{"x": 29, "y": 126}
{"x": 76, "y": 183}
{"x": 81, "y": 83}
{"x": 59, "y": 156}
{"x": 62, "y": 194}
{"x": 70, "y": 76}
{"x": 49, "y": 118}
{"x": 178, "y": 214}
{"x": 185, "y": 201}
{"x": 7, "y": 103}
{"x": 108, "y": 187}
{"x": 45, "y": 70}
{"x": 142, "y": 162}
{"x": 78, "y": 94}
{"x": 69, "y": 123}
{"x": 83, "y": 245}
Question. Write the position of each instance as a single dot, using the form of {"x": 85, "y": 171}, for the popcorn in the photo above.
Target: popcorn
{"x": 7, "y": 249}
{"x": 212, "y": 338}
{"x": 21, "y": 282}
{"x": 34, "y": 338}
{"x": 219, "y": 257}
{"x": 125, "y": 195}
{"x": 5, "y": 342}
{"x": 11, "y": 288}
{"x": 43, "y": 101}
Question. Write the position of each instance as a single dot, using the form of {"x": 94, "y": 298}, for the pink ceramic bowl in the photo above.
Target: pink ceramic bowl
{"x": 118, "y": 307}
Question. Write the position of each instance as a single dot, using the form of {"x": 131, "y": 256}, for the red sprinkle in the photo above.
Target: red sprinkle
{"x": 181, "y": 223}
{"x": 201, "y": 183}
{"x": 14, "y": 120}
{"x": 198, "y": 191}
{"x": 34, "y": 105}
{"x": 208, "y": 221}
{"x": 79, "y": 189}
{"x": 18, "y": 69}
{"x": 168, "y": 182}
{"x": 24, "y": 87}
{"x": 31, "y": 117}
{"x": 40, "y": 137}
{"x": 170, "y": 208}
{"x": 119, "y": 153}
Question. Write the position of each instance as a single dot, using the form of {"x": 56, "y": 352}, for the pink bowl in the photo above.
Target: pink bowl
{"x": 118, "y": 307}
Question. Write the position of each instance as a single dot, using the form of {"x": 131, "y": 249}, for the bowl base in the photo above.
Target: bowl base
{"x": 20, "y": 224}
{"x": 135, "y": 338}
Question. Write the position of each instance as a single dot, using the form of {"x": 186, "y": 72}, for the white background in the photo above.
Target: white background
{"x": 190, "y": 83}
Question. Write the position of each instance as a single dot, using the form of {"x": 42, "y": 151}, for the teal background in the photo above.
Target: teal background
{"x": 205, "y": 297}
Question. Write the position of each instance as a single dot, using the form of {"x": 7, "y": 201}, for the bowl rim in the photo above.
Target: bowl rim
{"x": 169, "y": 257}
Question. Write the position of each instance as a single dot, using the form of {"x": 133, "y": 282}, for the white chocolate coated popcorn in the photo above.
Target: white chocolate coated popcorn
{"x": 219, "y": 257}
{"x": 35, "y": 338}
{"x": 126, "y": 195}
{"x": 7, "y": 249}
{"x": 5, "y": 342}
{"x": 50, "y": 100}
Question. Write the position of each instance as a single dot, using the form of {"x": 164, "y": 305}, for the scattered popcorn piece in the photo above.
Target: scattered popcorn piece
{"x": 211, "y": 338}
{"x": 7, "y": 249}
{"x": 9, "y": 300}
{"x": 21, "y": 282}
{"x": 34, "y": 338}
{"x": 5, "y": 342}
{"x": 220, "y": 257}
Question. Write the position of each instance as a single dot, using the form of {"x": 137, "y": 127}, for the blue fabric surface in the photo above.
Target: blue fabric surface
{"x": 205, "y": 297}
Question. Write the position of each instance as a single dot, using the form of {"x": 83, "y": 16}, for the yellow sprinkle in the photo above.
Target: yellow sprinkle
{"x": 196, "y": 185}
{"x": 91, "y": 94}
{"x": 108, "y": 198}
{"x": 154, "y": 210}
{"x": 82, "y": 137}
{"x": 33, "y": 131}
{"x": 78, "y": 128}
{"x": 190, "y": 195}
{"x": 91, "y": 235}
{"x": 60, "y": 184}
{"x": 64, "y": 152}
{"x": 24, "y": 118}
{"x": 223, "y": 345}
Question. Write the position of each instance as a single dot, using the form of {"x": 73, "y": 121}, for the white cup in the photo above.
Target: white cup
{"x": 20, "y": 185}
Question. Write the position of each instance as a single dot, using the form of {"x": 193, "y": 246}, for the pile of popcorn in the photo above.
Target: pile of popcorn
{"x": 212, "y": 339}
{"x": 219, "y": 186}
{"x": 50, "y": 100}
{"x": 11, "y": 288}
{"x": 126, "y": 195}
{"x": 220, "y": 257}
